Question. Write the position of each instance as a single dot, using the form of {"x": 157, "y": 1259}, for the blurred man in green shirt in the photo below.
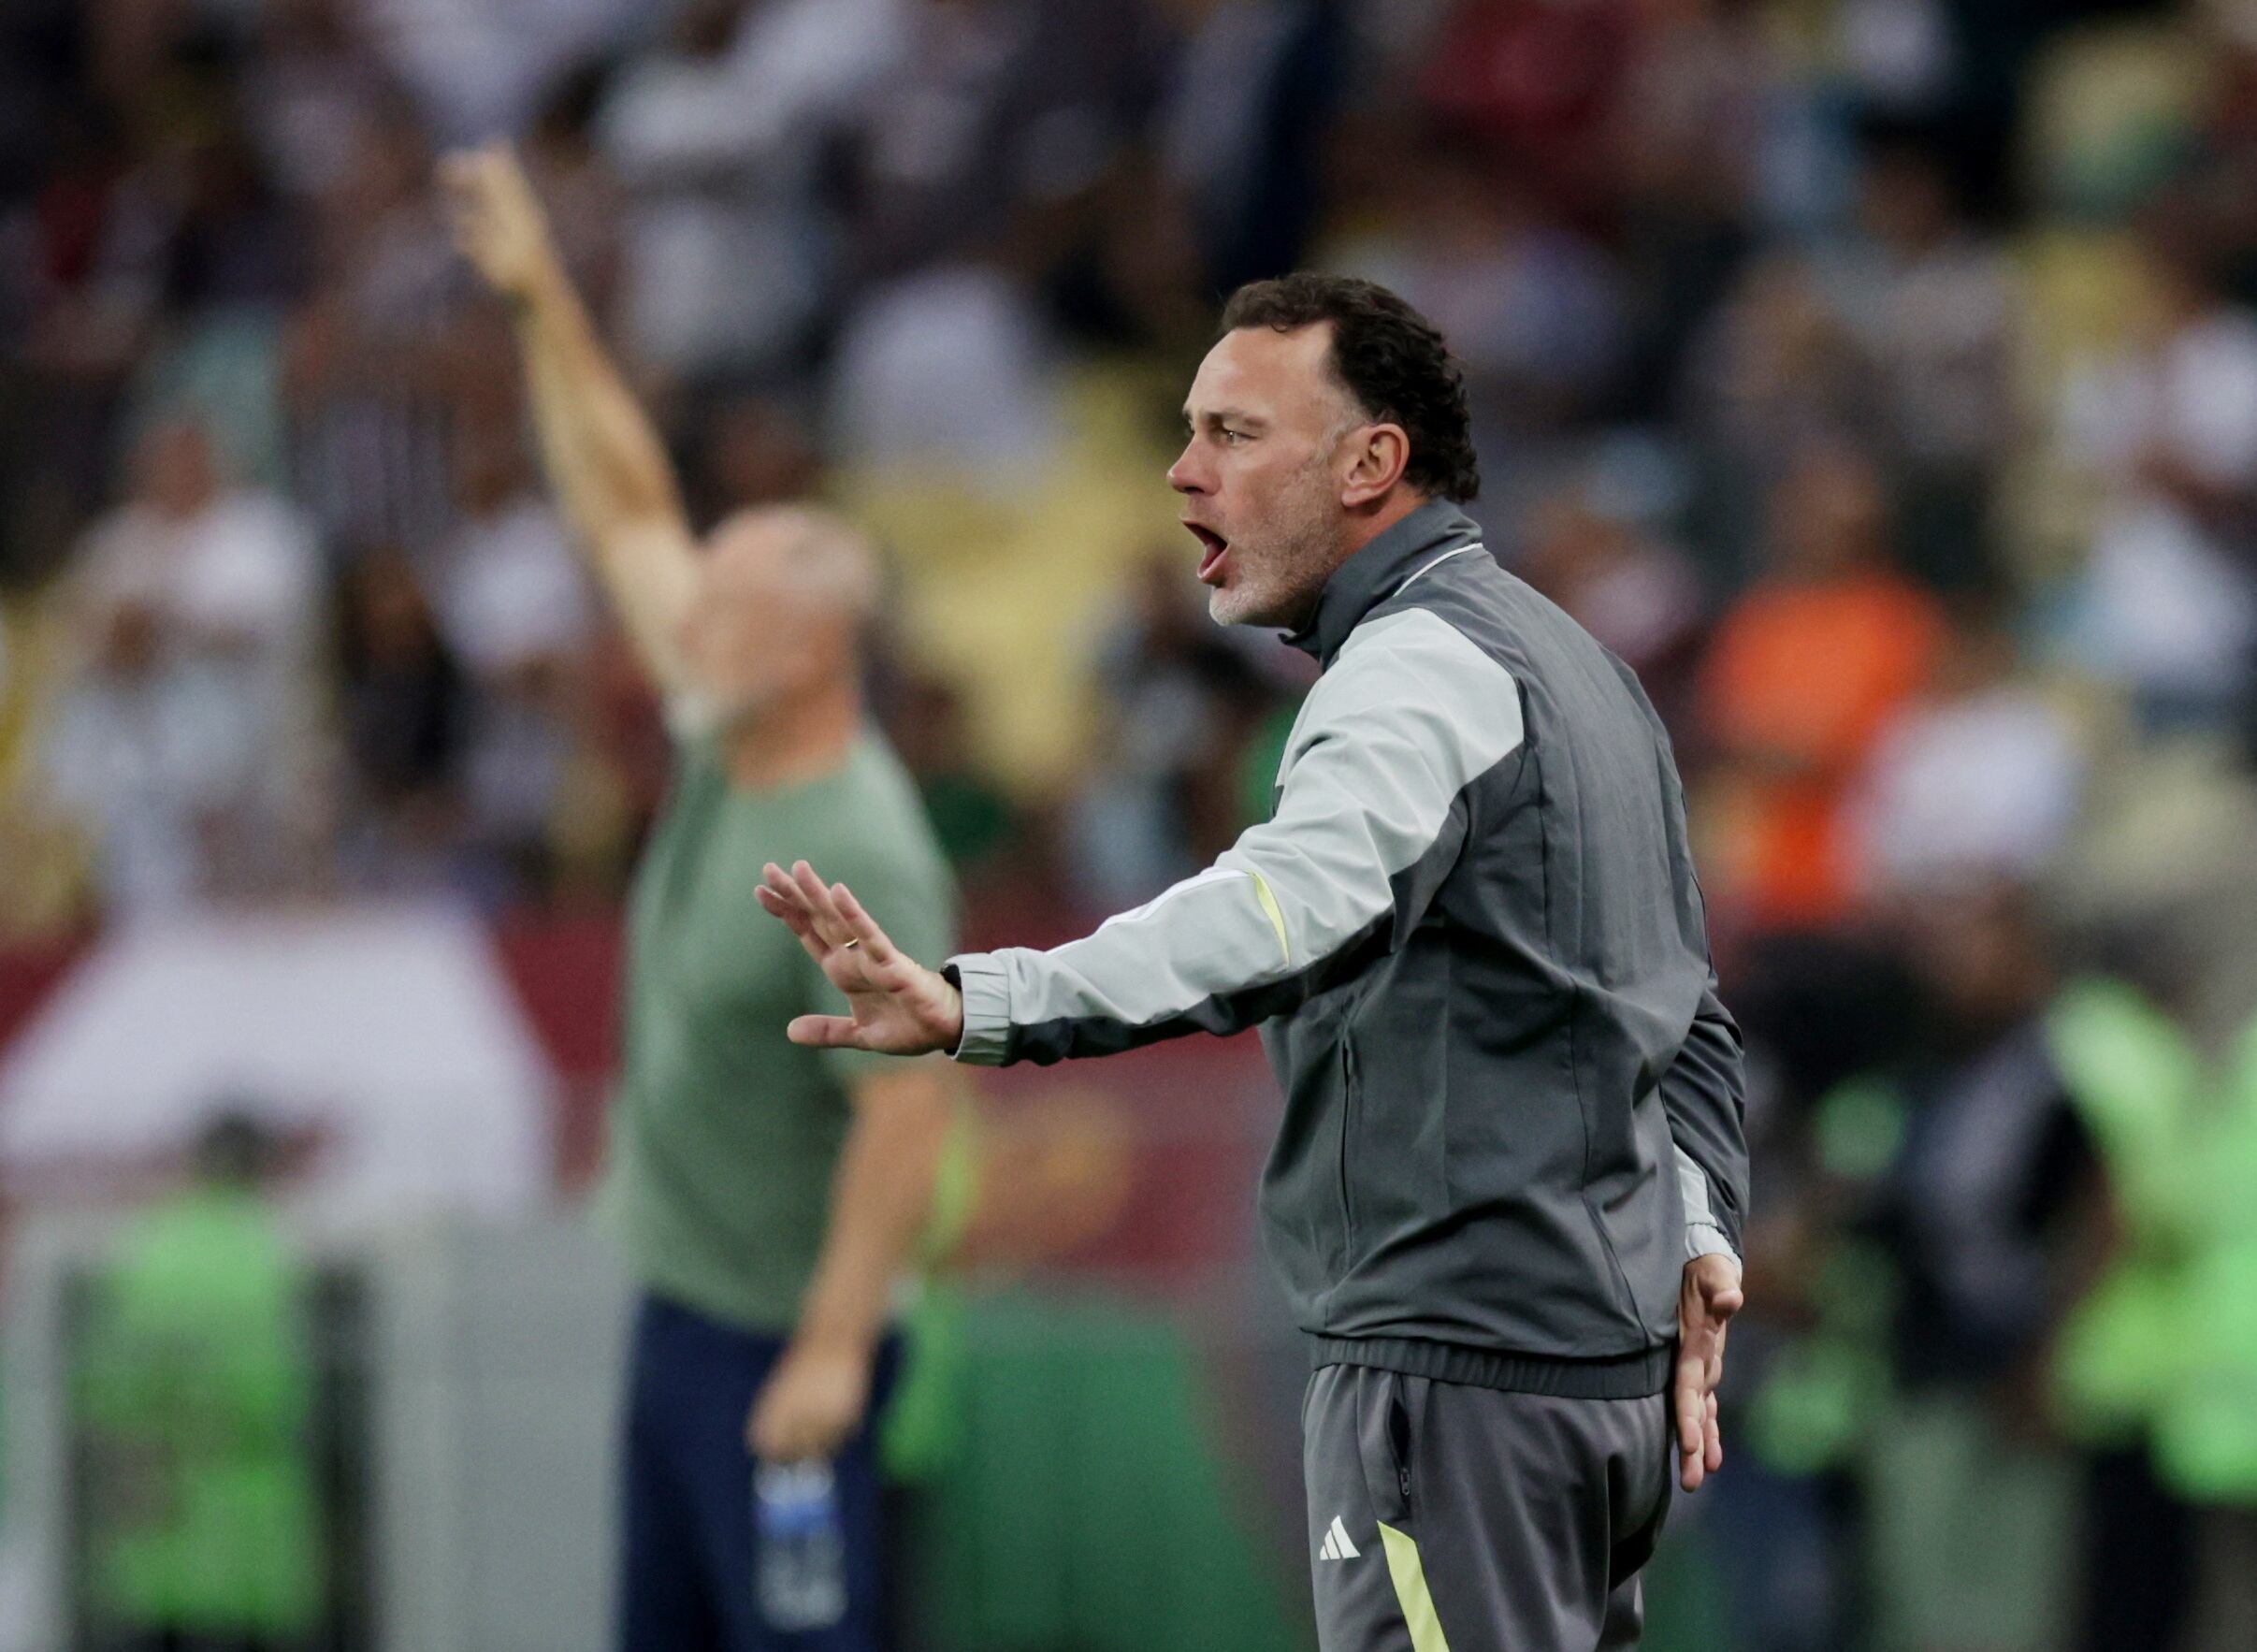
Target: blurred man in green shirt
{"x": 768, "y": 1194}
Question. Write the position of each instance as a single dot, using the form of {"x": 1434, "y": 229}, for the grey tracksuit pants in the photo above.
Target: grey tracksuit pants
{"x": 1442, "y": 1515}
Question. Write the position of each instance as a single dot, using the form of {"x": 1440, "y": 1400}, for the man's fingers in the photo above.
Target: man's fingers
{"x": 1689, "y": 1435}
{"x": 795, "y": 919}
{"x": 791, "y": 898}
{"x": 1699, "y": 1370}
{"x": 825, "y": 1032}
{"x": 874, "y": 943}
{"x": 776, "y": 906}
{"x": 1688, "y": 1395}
{"x": 785, "y": 904}
{"x": 829, "y": 922}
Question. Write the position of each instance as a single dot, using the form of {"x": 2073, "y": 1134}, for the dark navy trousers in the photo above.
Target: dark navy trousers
{"x": 687, "y": 1582}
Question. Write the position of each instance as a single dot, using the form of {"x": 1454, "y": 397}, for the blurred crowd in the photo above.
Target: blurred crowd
{"x": 1879, "y": 377}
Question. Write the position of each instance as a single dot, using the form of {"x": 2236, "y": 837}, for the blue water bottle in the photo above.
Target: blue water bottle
{"x": 802, "y": 1551}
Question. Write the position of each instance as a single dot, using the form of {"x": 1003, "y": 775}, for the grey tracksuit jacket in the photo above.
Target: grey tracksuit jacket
{"x": 1471, "y": 935}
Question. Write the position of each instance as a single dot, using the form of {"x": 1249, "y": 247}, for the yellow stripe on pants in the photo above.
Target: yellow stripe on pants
{"x": 1409, "y": 1574}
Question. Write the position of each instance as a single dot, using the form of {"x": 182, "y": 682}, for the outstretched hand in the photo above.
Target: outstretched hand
{"x": 1707, "y": 1302}
{"x": 899, "y": 1006}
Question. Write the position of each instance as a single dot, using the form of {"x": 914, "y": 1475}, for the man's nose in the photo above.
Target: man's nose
{"x": 1186, "y": 475}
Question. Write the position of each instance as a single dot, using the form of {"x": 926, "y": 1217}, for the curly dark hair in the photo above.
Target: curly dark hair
{"x": 1386, "y": 355}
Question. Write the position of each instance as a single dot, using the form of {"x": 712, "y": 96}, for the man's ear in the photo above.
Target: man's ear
{"x": 1377, "y": 460}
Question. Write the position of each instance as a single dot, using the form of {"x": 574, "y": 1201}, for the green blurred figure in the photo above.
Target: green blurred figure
{"x": 2156, "y": 1374}
{"x": 195, "y": 1385}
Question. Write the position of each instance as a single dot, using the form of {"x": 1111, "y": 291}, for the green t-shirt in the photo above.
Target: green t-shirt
{"x": 724, "y": 1133}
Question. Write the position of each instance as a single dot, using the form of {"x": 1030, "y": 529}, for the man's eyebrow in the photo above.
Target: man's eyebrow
{"x": 1223, "y": 415}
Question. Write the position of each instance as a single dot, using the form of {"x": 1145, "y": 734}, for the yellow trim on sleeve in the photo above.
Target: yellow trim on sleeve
{"x": 1274, "y": 913}
{"x": 1409, "y": 1574}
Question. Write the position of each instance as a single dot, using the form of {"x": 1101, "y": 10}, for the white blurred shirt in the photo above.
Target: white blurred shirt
{"x": 1975, "y": 789}
{"x": 237, "y": 577}
{"x": 510, "y": 592}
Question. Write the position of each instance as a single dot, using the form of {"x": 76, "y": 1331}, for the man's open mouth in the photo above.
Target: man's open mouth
{"x": 1216, "y": 548}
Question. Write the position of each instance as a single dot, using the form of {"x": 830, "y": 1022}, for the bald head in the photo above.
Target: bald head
{"x": 815, "y": 554}
{"x": 784, "y": 593}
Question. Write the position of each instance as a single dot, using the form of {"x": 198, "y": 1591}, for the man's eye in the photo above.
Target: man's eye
{"x": 1233, "y": 436}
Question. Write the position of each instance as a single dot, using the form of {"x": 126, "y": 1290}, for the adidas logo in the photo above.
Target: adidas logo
{"x": 1336, "y": 1546}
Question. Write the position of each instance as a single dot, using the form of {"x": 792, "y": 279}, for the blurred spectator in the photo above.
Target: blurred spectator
{"x": 1926, "y": 1231}
{"x": 230, "y": 240}
{"x": 919, "y": 350}
{"x": 1241, "y": 124}
{"x": 1985, "y": 1207}
{"x": 1978, "y": 778}
{"x": 1899, "y": 55}
{"x": 1181, "y": 706}
{"x": 405, "y": 711}
{"x": 2227, "y": 172}
{"x": 1927, "y": 305}
{"x": 1807, "y": 668}
{"x": 717, "y": 135}
{"x": 2155, "y": 1363}
{"x": 85, "y": 267}
{"x": 509, "y": 588}
{"x": 971, "y": 815}
{"x": 1588, "y": 549}
{"x": 514, "y": 609}
{"x": 311, "y": 92}
{"x": 1693, "y": 149}
{"x": 755, "y": 451}
{"x": 1767, "y": 369}
{"x": 996, "y": 112}
{"x": 196, "y": 1382}
{"x": 231, "y": 571}
{"x": 1533, "y": 309}
{"x": 588, "y": 205}
{"x": 378, "y": 364}
{"x": 477, "y": 69}
{"x": 2169, "y": 606}
{"x": 1535, "y": 83}
{"x": 143, "y": 756}
{"x": 179, "y": 747}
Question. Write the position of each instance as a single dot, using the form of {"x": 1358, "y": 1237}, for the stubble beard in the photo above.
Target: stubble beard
{"x": 1289, "y": 569}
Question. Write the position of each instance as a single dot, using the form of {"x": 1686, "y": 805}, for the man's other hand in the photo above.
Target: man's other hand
{"x": 899, "y": 1006}
{"x": 811, "y": 1405}
{"x": 496, "y": 219}
{"x": 1707, "y": 1302}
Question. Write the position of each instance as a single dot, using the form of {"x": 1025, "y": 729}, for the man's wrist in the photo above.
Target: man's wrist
{"x": 954, "y": 1021}
{"x": 837, "y": 1338}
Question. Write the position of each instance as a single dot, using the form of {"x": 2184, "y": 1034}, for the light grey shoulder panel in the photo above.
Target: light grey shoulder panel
{"x": 1408, "y": 717}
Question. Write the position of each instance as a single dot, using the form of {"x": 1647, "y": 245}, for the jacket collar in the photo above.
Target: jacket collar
{"x": 1378, "y": 571}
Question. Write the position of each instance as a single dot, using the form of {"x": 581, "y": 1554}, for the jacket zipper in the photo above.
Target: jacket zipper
{"x": 1349, "y": 1097}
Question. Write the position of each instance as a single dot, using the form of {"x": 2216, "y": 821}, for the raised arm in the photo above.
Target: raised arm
{"x": 604, "y": 460}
